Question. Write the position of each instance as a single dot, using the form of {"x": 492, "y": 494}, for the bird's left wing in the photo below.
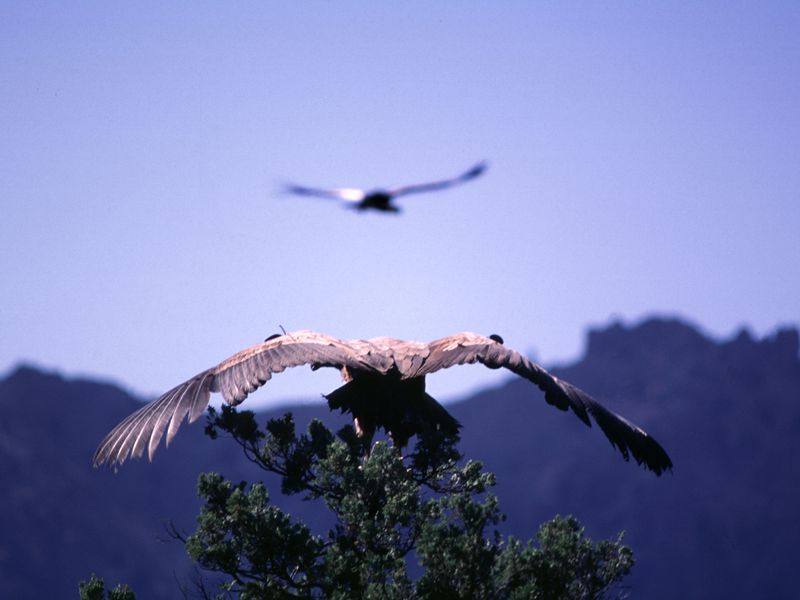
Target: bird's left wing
{"x": 629, "y": 439}
{"x": 234, "y": 378}
{"x": 431, "y": 186}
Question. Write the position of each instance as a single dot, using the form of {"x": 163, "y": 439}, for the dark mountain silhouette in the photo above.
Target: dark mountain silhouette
{"x": 722, "y": 525}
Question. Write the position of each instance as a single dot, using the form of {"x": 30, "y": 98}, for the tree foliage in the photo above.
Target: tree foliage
{"x": 95, "y": 589}
{"x": 419, "y": 526}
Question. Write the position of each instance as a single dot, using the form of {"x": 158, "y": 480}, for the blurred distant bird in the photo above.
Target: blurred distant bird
{"x": 385, "y": 388}
{"x": 382, "y": 199}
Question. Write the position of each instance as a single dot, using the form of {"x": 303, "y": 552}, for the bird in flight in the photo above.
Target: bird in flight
{"x": 384, "y": 388}
{"x": 382, "y": 199}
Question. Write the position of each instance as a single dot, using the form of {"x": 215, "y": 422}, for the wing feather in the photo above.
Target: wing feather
{"x": 235, "y": 378}
{"x": 138, "y": 423}
{"x": 195, "y": 405}
{"x": 627, "y": 438}
{"x": 145, "y": 427}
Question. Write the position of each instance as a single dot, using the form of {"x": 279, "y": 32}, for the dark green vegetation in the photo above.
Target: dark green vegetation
{"x": 429, "y": 512}
{"x": 723, "y": 525}
{"x": 390, "y": 513}
{"x": 95, "y": 589}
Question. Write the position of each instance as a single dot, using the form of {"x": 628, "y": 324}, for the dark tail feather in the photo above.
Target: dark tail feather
{"x": 400, "y": 411}
{"x": 435, "y": 414}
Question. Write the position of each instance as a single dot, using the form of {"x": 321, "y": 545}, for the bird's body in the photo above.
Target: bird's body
{"x": 388, "y": 401}
{"x": 383, "y": 199}
{"x": 377, "y": 200}
{"x": 385, "y": 388}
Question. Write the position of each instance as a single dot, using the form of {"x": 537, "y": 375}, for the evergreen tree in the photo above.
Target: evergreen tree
{"x": 392, "y": 512}
{"x": 420, "y": 526}
{"x": 95, "y": 589}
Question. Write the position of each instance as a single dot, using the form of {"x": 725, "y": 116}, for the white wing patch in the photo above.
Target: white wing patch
{"x": 350, "y": 194}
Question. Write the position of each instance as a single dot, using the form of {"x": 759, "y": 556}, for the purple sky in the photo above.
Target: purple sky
{"x": 644, "y": 159}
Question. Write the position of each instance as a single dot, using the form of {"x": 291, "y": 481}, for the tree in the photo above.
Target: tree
{"x": 95, "y": 589}
{"x": 417, "y": 526}
{"x": 389, "y": 510}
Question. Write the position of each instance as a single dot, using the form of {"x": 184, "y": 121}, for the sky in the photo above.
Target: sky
{"x": 643, "y": 160}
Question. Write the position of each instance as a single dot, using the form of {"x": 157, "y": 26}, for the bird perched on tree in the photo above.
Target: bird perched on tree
{"x": 385, "y": 388}
{"x": 381, "y": 199}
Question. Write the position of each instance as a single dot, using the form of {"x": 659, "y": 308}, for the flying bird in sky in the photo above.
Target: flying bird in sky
{"x": 382, "y": 199}
{"x": 385, "y": 388}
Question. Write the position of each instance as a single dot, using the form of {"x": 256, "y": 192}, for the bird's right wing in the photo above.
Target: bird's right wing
{"x": 346, "y": 194}
{"x": 629, "y": 439}
{"x": 432, "y": 186}
{"x": 234, "y": 378}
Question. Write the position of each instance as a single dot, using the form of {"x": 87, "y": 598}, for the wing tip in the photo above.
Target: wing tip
{"x": 104, "y": 458}
{"x": 625, "y": 437}
{"x": 479, "y": 169}
{"x": 644, "y": 449}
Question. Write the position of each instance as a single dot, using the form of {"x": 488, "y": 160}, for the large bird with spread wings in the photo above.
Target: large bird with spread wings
{"x": 382, "y": 199}
{"x": 385, "y": 388}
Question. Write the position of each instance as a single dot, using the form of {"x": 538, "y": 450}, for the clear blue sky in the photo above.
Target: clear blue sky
{"x": 645, "y": 158}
